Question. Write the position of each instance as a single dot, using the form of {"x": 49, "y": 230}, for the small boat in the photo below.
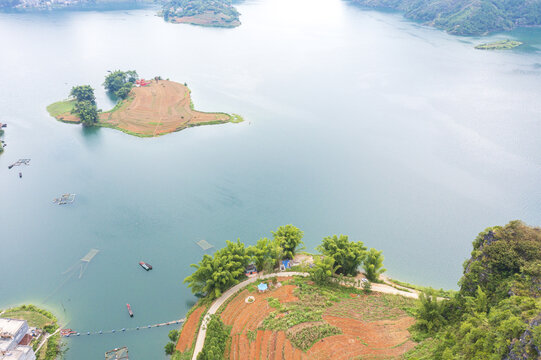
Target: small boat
{"x": 129, "y": 310}
{"x": 145, "y": 266}
{"x": 20, "y": 174}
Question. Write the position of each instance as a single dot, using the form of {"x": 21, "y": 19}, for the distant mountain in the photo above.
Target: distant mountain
{"x": 59, "y": 4}
{"x": 466, "y": 17}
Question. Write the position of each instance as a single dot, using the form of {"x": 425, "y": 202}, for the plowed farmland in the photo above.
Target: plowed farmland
{"x": 369, "y": 326}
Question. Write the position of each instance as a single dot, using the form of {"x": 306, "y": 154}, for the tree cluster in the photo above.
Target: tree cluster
{"x": 119, "y": 83}
{"x": 226, "y": 267}
{"x": 347, "y": 257}
{"x": 497, "y": 312}
{"x": 85, "y": 104}
{"x": 215, "y": 341}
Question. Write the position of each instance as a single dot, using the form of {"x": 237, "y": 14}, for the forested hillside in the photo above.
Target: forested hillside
{"x": 497, "y": 312}
{"x": 467, "y": 17}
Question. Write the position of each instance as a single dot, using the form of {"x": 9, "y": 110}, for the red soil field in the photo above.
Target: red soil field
{"x": 189, "y": 330}
{"x": 368, "y": 338}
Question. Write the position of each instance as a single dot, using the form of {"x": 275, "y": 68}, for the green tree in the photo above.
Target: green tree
{"x": 169, "y": 348}
{"x": 373, "y": 264}
{"x": 215, "y": 341}
{"x": 289, "y": 238}
{"x": 429, "y": 313}
{"x": 217, "y": 273}
{"x": 265, "y": 254}
{"x": 83, "y": 93}
{"x": 323, "y": 269}
{"x": 87, "y": 112}
{"x": 173, "y": 335}
{"x": 120, "y": 82}
{"x": 347, "y": 254}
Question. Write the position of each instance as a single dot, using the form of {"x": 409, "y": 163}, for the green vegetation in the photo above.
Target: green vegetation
{"x": 226, "y": 268}
{"x": 373, "y": 264}
{"x": 235, "y": 118}
{"x": 170, "y": 346}
{"x": 465, "y": 17}
{"x": 85, "y": 104}
{"x": 216, "y": 340}
{"x": 217, "y": 273}
{"x": 289, "y": 238}
{"x": 348, "y": 255}
{"x": 212, "y": 12}
{"x": 308, "y": 336}
{"x": 119, "y": 83}
{"x": 499, "y": 45}
{"x": 496, "y": 313}
{"x": 323, "y": 270}
{"x": 61, "y": 107}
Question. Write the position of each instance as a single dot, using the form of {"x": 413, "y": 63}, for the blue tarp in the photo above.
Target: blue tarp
{"x": 262, "y": 287}
{"x": 286, "y": 264}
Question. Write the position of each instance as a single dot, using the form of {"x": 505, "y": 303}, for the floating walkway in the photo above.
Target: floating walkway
{"x": 20, "y": 162}
{"x": 101, "y": 332}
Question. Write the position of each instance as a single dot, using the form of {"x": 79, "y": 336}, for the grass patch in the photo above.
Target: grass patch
{"x": 313, "y": 300}
{"x": 35, "y": 316}
{"x": 308, "y": 336}
{"x": 61, "y": 107}
{"x": 235, "y": 118}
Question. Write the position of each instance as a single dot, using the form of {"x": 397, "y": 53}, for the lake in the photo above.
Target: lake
{"x": 358, "y": 122}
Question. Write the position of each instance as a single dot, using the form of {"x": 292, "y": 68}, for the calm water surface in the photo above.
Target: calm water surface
{"x": 357, "y": 122}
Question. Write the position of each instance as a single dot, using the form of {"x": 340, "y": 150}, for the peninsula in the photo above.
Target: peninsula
{"x": 152, "y": 108}
{"x": 320, "y": 307}
{"x": 216, "y": 13}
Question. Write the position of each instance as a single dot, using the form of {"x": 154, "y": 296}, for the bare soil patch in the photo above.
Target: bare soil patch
{"x": 189, "y": 330}
{"x": 373, "y": 327}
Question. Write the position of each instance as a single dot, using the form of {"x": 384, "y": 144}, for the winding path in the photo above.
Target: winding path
{"x": 226, "y": 295}
{"x": 232, "y": 291}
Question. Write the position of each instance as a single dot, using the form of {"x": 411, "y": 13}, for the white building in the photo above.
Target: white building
{"x": 12, "y": 331}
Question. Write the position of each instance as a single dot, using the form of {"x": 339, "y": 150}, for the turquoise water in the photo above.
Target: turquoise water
{"x": 357, "y": 122}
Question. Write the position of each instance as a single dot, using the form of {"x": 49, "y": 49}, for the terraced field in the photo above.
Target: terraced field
{"x": 372, "y": 327}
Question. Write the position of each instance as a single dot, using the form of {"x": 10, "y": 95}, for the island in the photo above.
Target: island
{"x": 215, "y": 13}
{"x": 465, "y": 17}
{"x": 145, "y": 108}
{"x": 499, "y": 45}
{"x": 270, "y": 301}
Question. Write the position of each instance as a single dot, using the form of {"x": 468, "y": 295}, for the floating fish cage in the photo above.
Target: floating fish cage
{"x": 64, "y": 199}
{"x": 117, "y": 354}
{"x": 204, "y": 244}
